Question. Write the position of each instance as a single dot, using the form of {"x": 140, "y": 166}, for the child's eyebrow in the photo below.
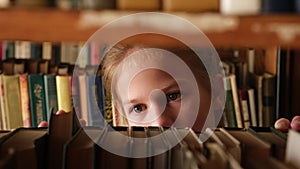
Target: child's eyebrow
{"x": 170, "y": 86}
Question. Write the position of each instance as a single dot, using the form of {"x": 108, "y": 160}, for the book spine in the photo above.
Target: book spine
{"x": 230, "y": 113}
{"x": 252, "y": 107}
{"x": 2, "y": 103}
{"x": 243, "y": 97}
{"x": 95, "y": 54}
{"x": 50, "y": 94}
{"x": 94, "y": 112}
{"x": 12, "y": 104}
{"x": 25, "y": 100}
{"x": 138, "y": 4}
{"x": 276, "y": 6}
{"x": 239, "y": 119}
{"x": 37, "y": 99}
{"x": 63, "y": 93}
{"x": 191, "y": 5}
{"x": 268, "y": 97}
{"x": 236, "y": 7}
{"x": 47, "y": 50}
{"x": 83, "y": 98}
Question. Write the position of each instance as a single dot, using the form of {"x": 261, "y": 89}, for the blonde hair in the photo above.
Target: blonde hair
{"x": 117, "y": 53}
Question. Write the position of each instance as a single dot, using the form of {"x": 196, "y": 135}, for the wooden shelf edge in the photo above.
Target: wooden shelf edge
{"x": 57, "y": 25}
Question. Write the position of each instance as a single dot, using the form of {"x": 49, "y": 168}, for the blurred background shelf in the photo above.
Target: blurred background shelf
{"x": 54, "y": 25}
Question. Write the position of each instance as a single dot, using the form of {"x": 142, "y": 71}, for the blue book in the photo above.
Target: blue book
{"x": 94, "y": 102}
{"x": 277, "y": 6}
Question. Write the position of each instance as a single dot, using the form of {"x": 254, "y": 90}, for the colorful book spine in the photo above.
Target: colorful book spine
{"x": 25, "y": 100}
{"x": 63, "y": 93}
{"x": 37, "y": 99}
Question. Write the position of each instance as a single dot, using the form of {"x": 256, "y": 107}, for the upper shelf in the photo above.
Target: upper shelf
{"x": 57, "y": 25}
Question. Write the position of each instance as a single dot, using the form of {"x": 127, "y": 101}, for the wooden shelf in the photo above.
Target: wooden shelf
{"x": 57, "y": 25}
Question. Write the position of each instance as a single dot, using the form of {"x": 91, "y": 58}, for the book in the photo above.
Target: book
{"x": 232, "y": 145}
{"x": 235, "y": 96}
{"x": 276, "y": 6}
{"x": 13, "y": 110}
{"x": 104, "y": 4}
{"x": 95, "y": 100}
{"x": 19, "y": 67}
{"x": 253, "y": 148}
{"x": 37, "y": 99}
{"x": 8, "y": 67}
{"x": 36, "y": 50}
{"x": 252, "y": 107}
{"x": 191, "y": 5}
{"x": 63, "y": 90}
{"x": 60, "y": 130}
{"x": 138, "y": 5}
{"x": 24, "y": 154}
{"x": 229, "y": 104}
{"x": 255, "y": 82}
{"x": 50, "y": 94}
{"x": 244, "y": 105}
{"x": 47, "y": 50}
{"x": 78, "y": 152}
{"x": 25, "y": 100}
{"x": 269, "y": 97}
{"x": 2, "y": 105}
{"x": 83, "y": 99}
{"x": 236, "y": 7}
{"x": 276, "y": 138}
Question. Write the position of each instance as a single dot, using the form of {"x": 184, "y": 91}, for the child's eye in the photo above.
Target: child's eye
{"x": 173, "y": 96}
{"x": 139, "y": 108}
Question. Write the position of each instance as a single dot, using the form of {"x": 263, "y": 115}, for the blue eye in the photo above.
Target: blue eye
{"x": 173, "y": 96}
{"x": 139, "y": 108}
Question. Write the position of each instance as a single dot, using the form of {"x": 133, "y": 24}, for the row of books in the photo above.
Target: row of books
{"x": 250, "y": 96}
{"x": 64, "y": 52}
{"x": 27, "y": 99}
{"x": 223, "y": 6}
{"x": 65, "y": 145}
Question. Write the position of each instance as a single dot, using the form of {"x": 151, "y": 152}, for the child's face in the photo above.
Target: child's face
{"x": 155, "y": 98}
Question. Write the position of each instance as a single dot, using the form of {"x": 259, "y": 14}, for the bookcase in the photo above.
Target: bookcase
{"x": 274, "y": 32}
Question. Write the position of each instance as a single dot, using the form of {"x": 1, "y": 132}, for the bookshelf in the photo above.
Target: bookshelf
{"x": 53, "y": 25}
{"x": 253, "y": 31}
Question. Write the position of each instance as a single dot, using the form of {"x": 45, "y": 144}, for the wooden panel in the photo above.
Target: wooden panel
{"x": 223, "y": 31}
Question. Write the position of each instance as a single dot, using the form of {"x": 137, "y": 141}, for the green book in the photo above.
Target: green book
{"x": 37, "y": 98}
{"x": 229, "y": 105}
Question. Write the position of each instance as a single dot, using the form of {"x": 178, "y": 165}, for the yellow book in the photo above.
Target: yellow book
{"x": 63, "y": 92}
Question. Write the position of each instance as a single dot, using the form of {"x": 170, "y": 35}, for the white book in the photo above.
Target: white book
{"x": 238, "y": 7}
{"x": 47, "y": 50}
{"x": 234, "y": 89}
{"x": 252, "y": 106}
